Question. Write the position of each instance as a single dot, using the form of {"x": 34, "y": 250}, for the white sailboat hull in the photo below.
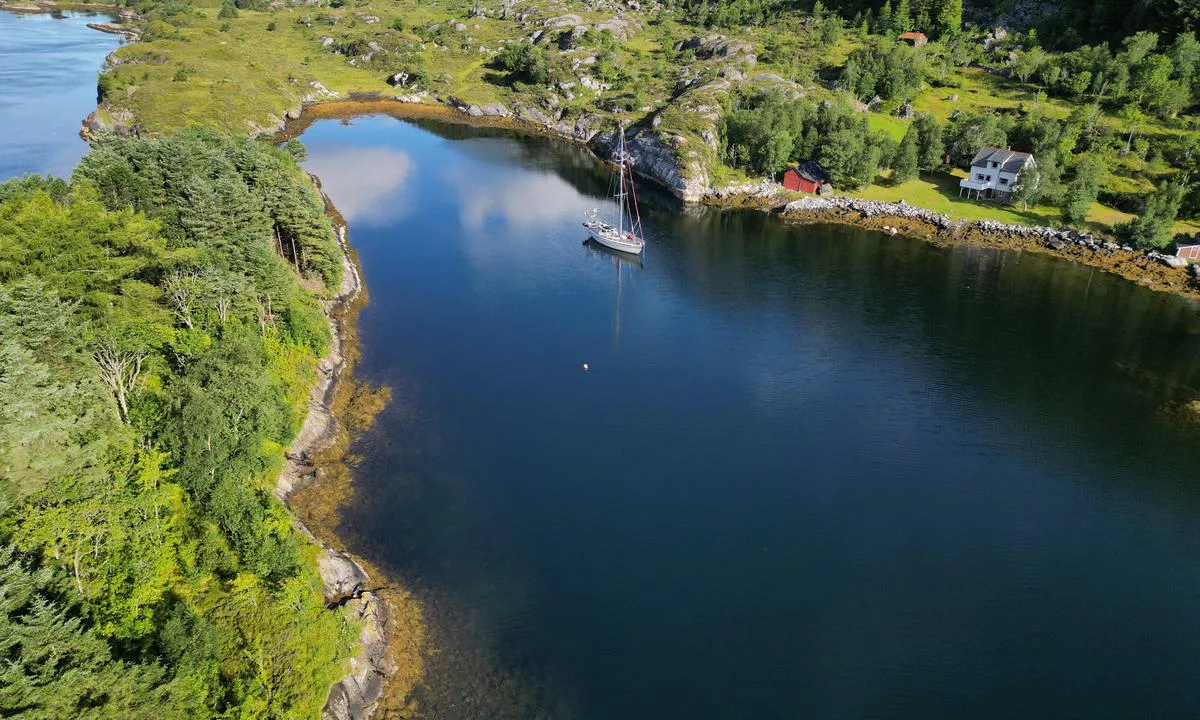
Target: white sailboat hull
{"x": 608, "y": 236}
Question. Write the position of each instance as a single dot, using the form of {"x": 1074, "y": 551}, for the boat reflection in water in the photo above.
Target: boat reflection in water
{"x": 620, "y": 260}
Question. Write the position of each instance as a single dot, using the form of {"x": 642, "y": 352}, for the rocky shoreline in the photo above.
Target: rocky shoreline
{"x": 344, "y": 582}
{"x": 1152, "y": 269}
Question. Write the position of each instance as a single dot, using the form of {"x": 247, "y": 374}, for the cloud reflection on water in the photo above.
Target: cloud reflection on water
{"x": 519, "y": 199}
{"x": 367, "y": 184}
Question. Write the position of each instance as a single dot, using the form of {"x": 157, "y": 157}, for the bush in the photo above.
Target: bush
{"x": 524, "y": 61}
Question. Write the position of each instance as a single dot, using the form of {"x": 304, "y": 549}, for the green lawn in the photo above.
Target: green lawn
{"x": 939, "y": 192}
{"x": 894, "y": 127}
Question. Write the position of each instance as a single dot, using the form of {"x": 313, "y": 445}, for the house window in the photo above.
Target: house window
{"x": 980, "y": 176}
{"x": 993, "y": 164}
{"x": 1003, "y": 181}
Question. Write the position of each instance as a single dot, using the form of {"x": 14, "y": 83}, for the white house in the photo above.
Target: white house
{"x": 994, "y": 172}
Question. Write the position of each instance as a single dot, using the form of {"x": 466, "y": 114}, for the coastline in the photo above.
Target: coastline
{"x": 1148, "y": 269}
{"x": 384, "y": 672}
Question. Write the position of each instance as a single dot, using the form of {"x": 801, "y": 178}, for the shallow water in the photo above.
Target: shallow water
{"x": 48, "y": 67}
{"x": 812, "y": 472}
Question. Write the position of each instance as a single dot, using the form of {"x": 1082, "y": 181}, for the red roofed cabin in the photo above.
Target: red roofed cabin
{"x": 808, "y": 177}
{"x": 916, "y": 39}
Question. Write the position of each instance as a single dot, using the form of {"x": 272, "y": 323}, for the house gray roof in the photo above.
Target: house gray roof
{"x": 1010, "y": 160}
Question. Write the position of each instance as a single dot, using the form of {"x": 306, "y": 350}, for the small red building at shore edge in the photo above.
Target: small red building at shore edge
{"x": 808, "y": 177}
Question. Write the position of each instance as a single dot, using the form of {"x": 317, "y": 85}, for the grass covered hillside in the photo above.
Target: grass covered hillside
{"x": 159, "y": 328}
{"x": 1122, "y": 109}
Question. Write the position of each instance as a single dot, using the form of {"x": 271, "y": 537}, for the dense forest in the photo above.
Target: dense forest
{"x": 1065, "y": 23}
{"x": 159, "y": 327}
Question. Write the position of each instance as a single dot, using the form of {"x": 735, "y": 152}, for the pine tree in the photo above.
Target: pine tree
{"x": 930, "y": 146}
{"x": 949, "y": 18}
{"x": 1082, "y": 191}
{"x": 56, "y": 666}
{"x": 902, "y": 22}
{"x": 1152, "y": 228}
{"x": 884, "y": 24}
{"x": 905, "y": 165}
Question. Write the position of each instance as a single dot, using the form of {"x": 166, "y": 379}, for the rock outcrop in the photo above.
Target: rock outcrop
{"x": 106, "y": 119}
{"x": 114, "y": 29}
{"x": 341, "y": 577}
{"x": 357, "y": 696}
{"x": 653, "y": 158}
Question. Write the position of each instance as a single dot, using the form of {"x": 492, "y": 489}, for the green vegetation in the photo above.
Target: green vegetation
{"x": 159, "y": 317}
{"x": 1129, "y": 104}
{"x": 159, "y": 329}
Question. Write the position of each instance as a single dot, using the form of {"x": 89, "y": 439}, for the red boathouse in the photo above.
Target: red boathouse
{"x": 808, "y": 177}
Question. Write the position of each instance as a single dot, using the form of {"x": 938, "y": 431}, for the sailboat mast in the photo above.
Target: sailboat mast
{"x": 621, "y": 190}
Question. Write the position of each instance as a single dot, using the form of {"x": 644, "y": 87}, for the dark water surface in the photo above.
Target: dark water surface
{"x": 813, "y": 472}
{"x": 48, "y": 67}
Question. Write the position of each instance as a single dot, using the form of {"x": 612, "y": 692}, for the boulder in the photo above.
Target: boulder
{"x": 716, "y": 46}
{"x": 592, "y": 83}
{"x": 570, "y": 39}
{"x": 532, "y": 115}
{"x": 621, "y": 26}
{"x": 560, "y": 21}
{"x": 495, "y": 110}
{"x": 341, "y": 577}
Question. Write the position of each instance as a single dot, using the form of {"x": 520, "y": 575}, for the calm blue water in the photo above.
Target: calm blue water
{"x": 813, "y": 472}
{"x": 48, "y": 68}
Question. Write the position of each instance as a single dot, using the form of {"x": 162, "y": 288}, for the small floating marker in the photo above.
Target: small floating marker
{"x": 585, "y": 367}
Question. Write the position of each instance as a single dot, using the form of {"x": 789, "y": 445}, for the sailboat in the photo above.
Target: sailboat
{"x": 617, "y": 236}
